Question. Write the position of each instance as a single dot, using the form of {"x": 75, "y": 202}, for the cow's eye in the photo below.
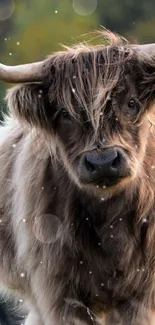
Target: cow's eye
{"x": 65, "y": 114}
{"x": 61, "y": 115}
{"x": 133, "y": 107}
{"x": 134, "y": 104}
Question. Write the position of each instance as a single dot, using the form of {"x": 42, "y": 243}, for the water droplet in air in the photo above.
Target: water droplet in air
{"x": 10, "y": 53}
{"x": 56, "y": 11}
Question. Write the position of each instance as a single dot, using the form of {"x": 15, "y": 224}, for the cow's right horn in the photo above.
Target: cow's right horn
{"x": 147, "y": 49}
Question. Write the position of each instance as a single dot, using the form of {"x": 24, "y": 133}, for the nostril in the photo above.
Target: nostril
{"x": 89, "y": 165}
{"x": 116, "y": 162}
{"x": 105, "y": 167}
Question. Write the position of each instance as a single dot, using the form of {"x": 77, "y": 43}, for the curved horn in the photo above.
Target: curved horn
{"x": 21, "y": 73}
{"x": 148, "y": 49}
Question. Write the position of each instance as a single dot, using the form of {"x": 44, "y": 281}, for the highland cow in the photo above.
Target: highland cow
{"x": 77, "y": 186}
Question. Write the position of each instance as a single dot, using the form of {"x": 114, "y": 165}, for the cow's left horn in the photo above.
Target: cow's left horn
{"x": 148, "y": 49}
{"x": 21, "y": 73}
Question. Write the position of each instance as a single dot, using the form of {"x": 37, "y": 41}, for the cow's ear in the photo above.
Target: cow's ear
{"x": 29, "y": 103}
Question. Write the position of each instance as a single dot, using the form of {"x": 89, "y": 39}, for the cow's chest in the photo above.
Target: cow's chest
{"x": 108, "y": 264}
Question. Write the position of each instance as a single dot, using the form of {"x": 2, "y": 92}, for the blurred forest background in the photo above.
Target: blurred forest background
{"x": 32, "y": 29}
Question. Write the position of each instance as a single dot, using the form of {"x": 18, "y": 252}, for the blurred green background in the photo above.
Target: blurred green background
{"x": 32, "y": 29}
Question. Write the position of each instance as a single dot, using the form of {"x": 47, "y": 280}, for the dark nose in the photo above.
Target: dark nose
{"x": 107, "y": 166}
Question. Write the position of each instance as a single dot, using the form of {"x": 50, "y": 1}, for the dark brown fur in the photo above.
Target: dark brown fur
{"x": 72, "y": 256}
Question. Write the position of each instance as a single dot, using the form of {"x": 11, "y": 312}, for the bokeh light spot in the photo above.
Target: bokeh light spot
{"x": 47, "y": 228}
{"x": 6, "y": 9}
{"x": 84, "y": 7}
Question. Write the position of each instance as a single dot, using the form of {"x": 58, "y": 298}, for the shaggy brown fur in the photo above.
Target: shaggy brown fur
{"x": 80, "y": 253}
